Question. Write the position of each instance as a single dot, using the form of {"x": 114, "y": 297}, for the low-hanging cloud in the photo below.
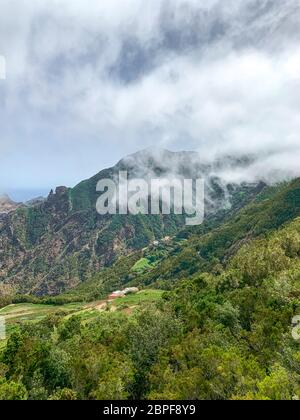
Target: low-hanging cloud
{"x": 87, "y": 84}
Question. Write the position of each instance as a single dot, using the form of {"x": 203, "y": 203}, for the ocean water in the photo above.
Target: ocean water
{"x": 20, "y": 195}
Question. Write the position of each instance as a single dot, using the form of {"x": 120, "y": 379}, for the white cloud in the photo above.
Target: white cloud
{"x": 219, "y": 77}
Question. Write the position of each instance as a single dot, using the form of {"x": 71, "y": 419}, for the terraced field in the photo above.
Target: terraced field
{"x": 28, "y": 312}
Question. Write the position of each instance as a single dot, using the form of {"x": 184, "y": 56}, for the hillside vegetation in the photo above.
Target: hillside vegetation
{"x": 203, "y": 249}
{"x": 49, "y": 248}
{"x": 221, "y": 331}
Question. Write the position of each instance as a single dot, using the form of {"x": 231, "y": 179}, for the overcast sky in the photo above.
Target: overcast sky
{"x": 88, "y": 82}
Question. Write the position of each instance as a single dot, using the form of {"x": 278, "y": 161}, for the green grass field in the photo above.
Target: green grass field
{"x": 34, "y": 312}
{"x": 141, "y": 265}
{"x": 145, "y": 296}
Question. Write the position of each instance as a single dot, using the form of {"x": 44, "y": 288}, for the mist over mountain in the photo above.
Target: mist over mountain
{"x": 150, "y": 202}
{"x": 87, "y": 86}
{"x": 59, "y": 242}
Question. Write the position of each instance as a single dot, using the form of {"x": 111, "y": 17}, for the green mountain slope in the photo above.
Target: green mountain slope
{"x": 204, "y": 249}
{"x": 57, "y": 244}
{"x": 223, "y": 334}
{"x": 209, "y": 248}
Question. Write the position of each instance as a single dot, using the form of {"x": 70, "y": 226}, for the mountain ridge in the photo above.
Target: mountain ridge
{"x": 7, "y": 205}
{"x": 60, "y": 242}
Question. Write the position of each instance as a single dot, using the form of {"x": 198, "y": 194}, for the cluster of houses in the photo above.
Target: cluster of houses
{"x": 122, "y": 293}
{"x": 165, "y": 240}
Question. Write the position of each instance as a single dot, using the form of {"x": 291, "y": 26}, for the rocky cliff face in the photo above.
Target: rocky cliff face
{"x": 7, "y": 205}
{"x": 58, "y": 243}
